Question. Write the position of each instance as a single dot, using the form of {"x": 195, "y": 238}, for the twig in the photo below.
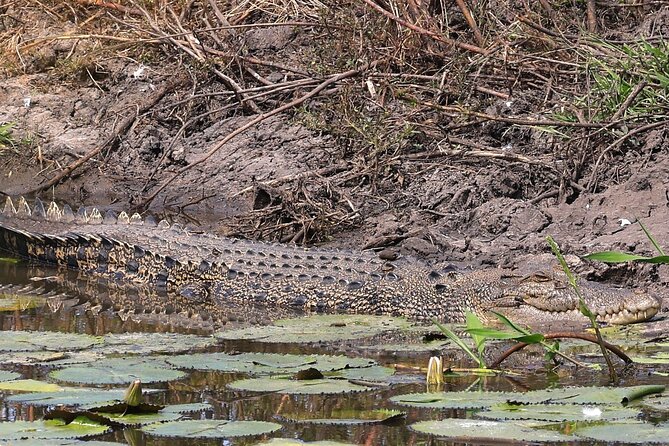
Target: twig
{"x": 110, "y": 5}
{"x": 592, "y": 16}
{"x": 630, "y": 98}
{"x": 517, "y": 121}
{"x": 548, "y": 194}
{"x": 564, "y": 335}
{"x": 120, "y": 129}
{"x": 256, "y": 61}
{"x": 618, "y": 142}
{"x": 232, "y": 85}
{"x": 470, "y": 21}
{"x": 480, "y": 152}
{"x": 329, "y": 81}
{"x": 294, "y": 177}
{"x": 426, "y": 32}
{"x": 492, "y": 92}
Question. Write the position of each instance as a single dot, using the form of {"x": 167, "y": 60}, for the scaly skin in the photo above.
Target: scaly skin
{"x": 203, "y": 273}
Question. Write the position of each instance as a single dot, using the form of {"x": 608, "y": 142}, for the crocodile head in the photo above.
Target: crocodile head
{"x": 549, "y": 298}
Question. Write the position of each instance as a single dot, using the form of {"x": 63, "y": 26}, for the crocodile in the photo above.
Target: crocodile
{"x": 175, "y": 269}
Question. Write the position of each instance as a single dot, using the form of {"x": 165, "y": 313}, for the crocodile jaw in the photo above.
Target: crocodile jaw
{"x": 625, "y": 316}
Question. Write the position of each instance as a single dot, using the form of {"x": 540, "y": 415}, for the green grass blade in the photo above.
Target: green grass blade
{"x": 621, "y": 257}
{"x": 651, "y": 238}
{"x": 459, "y": 342}
{"x": 563, "y": 263}
{"x": 497, "y": 334}
{"x": 506, "y": 321}
{"x": 474, "y": 323}
{"x": 614, "y": 257}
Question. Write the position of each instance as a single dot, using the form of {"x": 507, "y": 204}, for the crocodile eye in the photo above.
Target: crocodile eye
{"x": 441, "y": 288}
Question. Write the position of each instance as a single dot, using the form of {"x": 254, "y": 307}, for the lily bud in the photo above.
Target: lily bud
{"x": 133, "y": 396}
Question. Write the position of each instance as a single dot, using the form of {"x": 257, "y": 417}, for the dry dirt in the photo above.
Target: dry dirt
{"x": 443, "y": 206}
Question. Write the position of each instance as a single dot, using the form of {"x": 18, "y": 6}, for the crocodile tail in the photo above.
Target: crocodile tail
{"x": 71, "y": 250}
{"x": 104, "y": 256}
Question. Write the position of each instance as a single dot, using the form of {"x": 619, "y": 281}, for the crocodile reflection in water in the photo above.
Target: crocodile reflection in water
{"x": 209, "y": 272}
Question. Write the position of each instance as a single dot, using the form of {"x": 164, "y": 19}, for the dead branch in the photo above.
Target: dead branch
{"x": 426, "y": 32}
{"x": 299, "y": 101}
{"x": 517, "y": 121}
{"x": 617, "y": 143}
{"x": 471, "y": 22}
{"x": 120, "y": 129}
{"x": 110, "y": 5}
{"x": 287, "y": 178}
{"x": 630, "y": 98}
{"x": 592, "y": 16}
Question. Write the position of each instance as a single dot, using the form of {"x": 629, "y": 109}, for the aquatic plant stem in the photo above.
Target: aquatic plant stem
{"x": 564, "y": 335}
{"x": 613, "y": 377}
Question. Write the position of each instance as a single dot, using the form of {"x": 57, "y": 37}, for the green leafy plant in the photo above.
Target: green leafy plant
{"x": 583, "y": 308}
{"x": 632, "y": 78}
{"x": 6, "y": 139}
{"x": 480, "y": 334}
{"x": 621, "y": 257}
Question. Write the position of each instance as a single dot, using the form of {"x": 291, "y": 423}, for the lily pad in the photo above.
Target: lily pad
{"x": 266, "y": 363}
{"x": 143, "y": 343}
{"x": 211, "y": 428}
{"x": 80, "y": 397}
{"x": 119, "y": 371}
{"x": 29, "y": 385}
{"x": 294, "y": 442}
{"x": 571, "y": 395}
{"x": 434, "y": 345}
{"x": 626, "y": 432}
{"x": 657, "y": 402}
{"x": 312, "y": 386}
{"x": 375, "y": 373}
{"x": 466, "y": 430}
{"x": 8, "y": 376}
{"x": 558, "y": 412}
{"x": 46, "y": 340}
{"x": 348, "y": 417}
{"x": 80, "y": 427}
{"x": 49, "y": 358}
{"x": 55, "y": 442}
{"x": 586, "y": 395}
{"x": 657, "y": 358}
{"x": 187, "y": 408}
{"x": 140, "y": 419}
{"x": 318, "y": 328}
{"x": 452, "y": 400}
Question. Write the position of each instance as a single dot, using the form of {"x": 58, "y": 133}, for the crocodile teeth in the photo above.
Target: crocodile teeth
{"x": 110, "y": 218}
{"x": 67, "y": 214}
{"x": 38, "y": 210}
{"x": 23, "y": 208}
{"x": 163, "y": 224}
{"x": 123, "y": 218}
{"x": 136, "y": 219}
{"x": 9, "y": 208}
{"x": 53, "y": 212}
{"x": 95, "y": 218}
{"x": 81, "y": 215}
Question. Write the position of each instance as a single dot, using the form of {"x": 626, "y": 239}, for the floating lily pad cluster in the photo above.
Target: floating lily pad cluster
{"x": 71, "y": 360}
{"x": 566, "y": 414}
{"x": 318, "y": 328}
